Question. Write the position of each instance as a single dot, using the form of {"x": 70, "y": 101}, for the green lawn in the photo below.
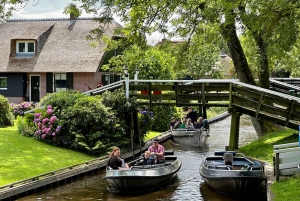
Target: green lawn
{"x": 152, "y": 134}
{"x": 23, "y": 157}
{"x": 286, "y": 189}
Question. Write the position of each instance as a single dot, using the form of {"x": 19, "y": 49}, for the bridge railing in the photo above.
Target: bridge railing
{"x": 105, "y": 88}
{"x": 285, "y": 86}
{"x": 205, "y": 92}
{"x": 265, "y": 104}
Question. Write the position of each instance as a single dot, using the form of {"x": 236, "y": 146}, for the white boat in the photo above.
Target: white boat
{"x": 191, "y": 137}
{"x": 232, "y": 173}
{"x": 142, "y": 178}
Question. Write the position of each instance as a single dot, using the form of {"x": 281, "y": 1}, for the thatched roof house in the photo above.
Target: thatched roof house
{"x": 40, "y": 56}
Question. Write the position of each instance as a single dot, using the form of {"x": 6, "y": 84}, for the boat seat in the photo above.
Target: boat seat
{"x": 169, "y": 152}
{"x": 221, "y": 153}
{"x": 223, "y": 167}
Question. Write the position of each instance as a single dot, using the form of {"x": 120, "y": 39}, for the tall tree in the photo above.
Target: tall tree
{"x": 265, "y": 22}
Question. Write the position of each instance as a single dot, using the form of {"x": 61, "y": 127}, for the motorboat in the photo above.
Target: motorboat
{"x": 142, "y": 178}
{"x": 191, "y": 137}
{"x": 232, "y": 173}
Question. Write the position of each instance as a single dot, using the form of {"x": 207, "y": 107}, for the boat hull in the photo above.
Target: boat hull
{"x": 142, "y": 178}
{"x": 233, "y": 175}
{"x": 191, "y": 137}
{"x": 234, "y": 182}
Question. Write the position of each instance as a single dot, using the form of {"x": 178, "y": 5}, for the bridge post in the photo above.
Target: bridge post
{"x": 234, "y": 130}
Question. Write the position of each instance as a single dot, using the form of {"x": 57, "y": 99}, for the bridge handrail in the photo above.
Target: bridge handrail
{"x": 103, "y": 87}
{"x": 283, "y": 84}
{"x": 260, "y": 89}
{"x": 279, "y": 146}
{"x": 108, "y": 88}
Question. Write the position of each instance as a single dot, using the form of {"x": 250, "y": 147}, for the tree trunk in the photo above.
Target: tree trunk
{"x": 243, "y": 70}
{"x": 238, "y": 56}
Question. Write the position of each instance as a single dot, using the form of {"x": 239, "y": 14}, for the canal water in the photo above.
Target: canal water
{"x": 187, "y": 185}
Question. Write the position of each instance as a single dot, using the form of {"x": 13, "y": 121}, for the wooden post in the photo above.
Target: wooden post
{"x": 276, "y": 171}
{"x": 234, "y": 130}
{"x": 204, "y": 113}
{"x": 176, "y": 94}
{"x": 150, "y": 94}
{"x": 137, "y": 129}
{"x": 131, "y": 136}
{"x": 200, "y": 111}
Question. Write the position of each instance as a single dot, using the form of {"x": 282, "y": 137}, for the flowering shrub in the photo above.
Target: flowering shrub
{"x": 19, "y": 109}
{"x": 6, "y": 116}
{"x": 145, "y": 120}
{"x": 47, "y": 125}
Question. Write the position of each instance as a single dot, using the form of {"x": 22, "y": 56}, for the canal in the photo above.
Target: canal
{"x": 187, "y": 185}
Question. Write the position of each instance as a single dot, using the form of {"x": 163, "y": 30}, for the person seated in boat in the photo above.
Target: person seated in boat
{"x": 115, "y": 161}
{"x": 199, "y": 123}
{"x": 205, "y": 126}
{"x": 172, "y": 124}
{"x": 183, "y": 124}
{"x": 157, "y": 150}
{"x": 189, "y": 124}
{"x": 147, "y": 160}
{"x": 178, "y": 123}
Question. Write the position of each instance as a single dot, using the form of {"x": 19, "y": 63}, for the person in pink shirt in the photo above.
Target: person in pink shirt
{"x": 158, "y": 150}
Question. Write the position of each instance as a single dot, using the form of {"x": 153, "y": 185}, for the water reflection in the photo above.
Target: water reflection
{"x": 187, "y": 185}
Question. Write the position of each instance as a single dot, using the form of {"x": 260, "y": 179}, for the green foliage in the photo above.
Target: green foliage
{"x": 152, "y": 62}
{"x": 72, "y": 9}
{"x": 162, "y": 117}
{"x": 124, "y": 110}
{"x": 96, "y": 130}
{"x": 25, "y": 125}
{"x": 6, "y": 116}
{"x": 62, "y": 99}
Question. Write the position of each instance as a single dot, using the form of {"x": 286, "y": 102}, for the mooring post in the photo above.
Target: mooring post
{"x": 234, "y": 130}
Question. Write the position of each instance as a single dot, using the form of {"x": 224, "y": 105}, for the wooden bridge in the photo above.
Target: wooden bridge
{"x": 276, "y": 105}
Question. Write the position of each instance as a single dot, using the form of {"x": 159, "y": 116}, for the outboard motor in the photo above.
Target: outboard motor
{"x": 228, "y": 159}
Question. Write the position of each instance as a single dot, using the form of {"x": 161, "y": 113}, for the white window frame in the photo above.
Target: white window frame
{"x": 6, "y": 83}
{"x": 26, "y": 46}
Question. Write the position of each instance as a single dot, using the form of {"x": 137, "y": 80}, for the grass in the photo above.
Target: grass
{"x": 151, "y": 135}
{"x": 23, "y": 157}
{"x": 262, "y": 148}
{"x": 286, "y": 189}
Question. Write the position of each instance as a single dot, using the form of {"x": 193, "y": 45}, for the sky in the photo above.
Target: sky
{"x": 54, "y": 9}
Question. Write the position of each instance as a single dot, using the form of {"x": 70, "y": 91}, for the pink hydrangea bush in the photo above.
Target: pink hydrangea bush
{"x": 19, "y": 109}
{"x": 47, "y": 124}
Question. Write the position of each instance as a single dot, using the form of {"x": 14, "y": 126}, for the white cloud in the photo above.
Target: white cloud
{"x": 45, "y": 9}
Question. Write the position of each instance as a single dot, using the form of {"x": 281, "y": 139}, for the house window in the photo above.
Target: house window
{"x": 3, "y": 82}
{"x": 24, "y": 47}
{"x": 60, "y": 82}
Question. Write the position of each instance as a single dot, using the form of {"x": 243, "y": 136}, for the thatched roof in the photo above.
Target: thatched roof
{"x": 61, "y": 45}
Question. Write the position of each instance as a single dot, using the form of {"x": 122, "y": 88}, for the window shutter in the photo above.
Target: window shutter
{"x": 70, "y": 81}
{"x": 49, "y": 82}
{"x": 103, "y": 79}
